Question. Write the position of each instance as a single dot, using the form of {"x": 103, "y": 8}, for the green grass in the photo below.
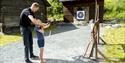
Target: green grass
{"x": 6, "y": 39}
{"x": 115, "y": 48}
{"x": 14, "y": 37}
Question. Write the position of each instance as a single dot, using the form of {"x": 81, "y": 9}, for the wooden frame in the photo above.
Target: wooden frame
{"x": 93, "y": 45}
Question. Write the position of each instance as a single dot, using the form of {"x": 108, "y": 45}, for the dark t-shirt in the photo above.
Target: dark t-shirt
{"x": 24, "y": 19}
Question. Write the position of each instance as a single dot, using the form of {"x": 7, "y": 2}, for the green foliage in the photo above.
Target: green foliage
{"x": 55, "y": 11}
{"x": 114, "y": 9}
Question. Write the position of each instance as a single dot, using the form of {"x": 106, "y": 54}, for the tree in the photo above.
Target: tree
{"x": 55, "y": 11}
{"x": 114, "y": 9}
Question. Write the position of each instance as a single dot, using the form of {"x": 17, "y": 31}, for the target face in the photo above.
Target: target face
{"x": 80, "y": 14}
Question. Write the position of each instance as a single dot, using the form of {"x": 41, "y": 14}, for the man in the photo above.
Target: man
{"x": 26, "y": 18}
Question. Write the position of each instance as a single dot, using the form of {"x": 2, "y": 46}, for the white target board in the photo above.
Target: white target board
{"x": 80, "y": 15}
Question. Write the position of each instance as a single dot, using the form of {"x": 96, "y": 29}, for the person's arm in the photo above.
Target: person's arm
{"x": 34, "y": 21}
{"x": 46, "y": 26}
{"x": 38, "y": 22}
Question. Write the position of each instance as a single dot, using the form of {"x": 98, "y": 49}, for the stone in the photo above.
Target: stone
{"x": 116, "y": 26}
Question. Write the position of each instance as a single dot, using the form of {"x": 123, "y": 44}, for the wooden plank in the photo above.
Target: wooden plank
{"x": 89, "y": 48}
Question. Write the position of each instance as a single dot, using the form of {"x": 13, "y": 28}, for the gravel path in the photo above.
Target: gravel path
{"x": 65, "y": 45}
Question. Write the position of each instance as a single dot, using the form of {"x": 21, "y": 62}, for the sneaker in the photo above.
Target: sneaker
{"x": 34, "y": 57}
{"x": 28, "y": 61}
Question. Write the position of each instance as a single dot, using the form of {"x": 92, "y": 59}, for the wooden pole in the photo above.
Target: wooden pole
{"x": 95, "y": 30}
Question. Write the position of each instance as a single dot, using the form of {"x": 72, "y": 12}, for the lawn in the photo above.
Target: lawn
{"x": 9, "y": 38}
{"x": 14, "y": 37}
{"x": 115, "y": 48}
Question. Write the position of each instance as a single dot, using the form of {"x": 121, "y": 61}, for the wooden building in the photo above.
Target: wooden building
{"x": 10, "y": 11}
{"x": 81, "y": 10}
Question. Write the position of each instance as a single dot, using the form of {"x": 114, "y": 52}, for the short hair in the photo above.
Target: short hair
{"x": 35, "y": 4}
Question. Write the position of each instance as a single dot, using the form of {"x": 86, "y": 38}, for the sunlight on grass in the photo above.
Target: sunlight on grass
{"x": 115, "y": 38}
{"x": 116, "y": 51}
{"x": 14, "y": 37}
{"x": 6, "y": 39}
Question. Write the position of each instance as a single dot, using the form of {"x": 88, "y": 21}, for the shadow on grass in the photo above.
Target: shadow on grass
{"x": 123, "y": 46}
{"x": 118, "y": 60}
{"x": 13, "y": 34}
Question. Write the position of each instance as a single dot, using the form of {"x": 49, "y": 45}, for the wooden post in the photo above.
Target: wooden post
{"x": 1, "y": 28}
{"x": 95, "y": 29}
{"x": 92, "y": 47}
{"x": 2, "y": 19}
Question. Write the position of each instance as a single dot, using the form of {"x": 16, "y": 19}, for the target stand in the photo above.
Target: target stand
{"x": 92, "y": 50}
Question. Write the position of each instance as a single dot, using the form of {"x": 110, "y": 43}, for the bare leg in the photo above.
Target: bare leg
{"x": 41, "y": 55}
